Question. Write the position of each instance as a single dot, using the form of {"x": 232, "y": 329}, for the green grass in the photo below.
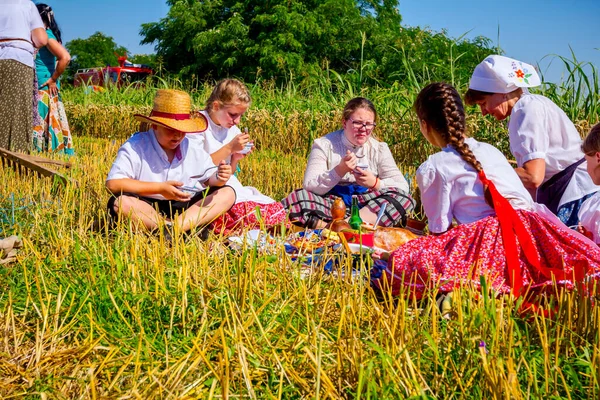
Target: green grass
{"x": 89, "y": 312}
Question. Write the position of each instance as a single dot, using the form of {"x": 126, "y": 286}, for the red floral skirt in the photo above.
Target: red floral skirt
{"x": 463, "y": 254}
{"x": 243, "y": 215}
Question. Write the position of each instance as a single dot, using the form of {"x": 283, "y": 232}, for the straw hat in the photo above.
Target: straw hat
{"x": 172, "y": 110}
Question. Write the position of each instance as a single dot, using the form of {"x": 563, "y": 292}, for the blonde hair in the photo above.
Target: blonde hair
{"x": 229, "y": 92}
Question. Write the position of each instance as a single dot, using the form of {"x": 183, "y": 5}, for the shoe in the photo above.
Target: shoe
{"x": 312, "y": 221}
{"x": 167, "y": 233}
{"x": 201, "y": 233}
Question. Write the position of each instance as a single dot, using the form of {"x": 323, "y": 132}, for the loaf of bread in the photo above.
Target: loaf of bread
{"x": 390, "y": 239}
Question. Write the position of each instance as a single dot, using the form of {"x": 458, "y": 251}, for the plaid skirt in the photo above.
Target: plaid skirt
{"x": 303, "y": 204}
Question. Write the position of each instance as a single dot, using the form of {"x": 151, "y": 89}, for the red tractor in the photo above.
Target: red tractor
{"x": 125, "y": 74}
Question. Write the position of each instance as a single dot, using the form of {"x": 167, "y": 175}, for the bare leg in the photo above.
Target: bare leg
{"x": 140, "y": 212}
{"x": 207, "y": 210}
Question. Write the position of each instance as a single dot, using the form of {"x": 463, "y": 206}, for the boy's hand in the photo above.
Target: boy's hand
{"x": 238, "y": 142}
{"x": 223, "y": 174}
{"x": 170, "y": 191}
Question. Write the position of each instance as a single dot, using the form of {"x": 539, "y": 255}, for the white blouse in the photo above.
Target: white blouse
{"x": 212, "y": 140}
{"x": 539, "y": 129}
{"x": 17, "y": 19}
{"x": 142, "y": 158}
{"x": 589, "y": 216}
{"x": 450, "y": 188}
{"x": 327, "y": 152}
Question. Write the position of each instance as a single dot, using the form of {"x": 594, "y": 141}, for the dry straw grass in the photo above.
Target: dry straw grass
{"x": 106, "y": 313}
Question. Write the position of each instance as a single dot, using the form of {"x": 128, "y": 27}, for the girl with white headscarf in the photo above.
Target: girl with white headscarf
{"x": 542, "y": 138}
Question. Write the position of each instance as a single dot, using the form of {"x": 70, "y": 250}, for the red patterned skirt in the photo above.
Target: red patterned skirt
{"x": 243, "y": 215}
{"x": 462, "y": 255}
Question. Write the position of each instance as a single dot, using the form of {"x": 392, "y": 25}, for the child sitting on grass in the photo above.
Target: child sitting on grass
{"x": 160, "y": 173}
{"x": 589, "y": 213}
{"x": 501, "y": 234}
{"x": 223, "y": 140}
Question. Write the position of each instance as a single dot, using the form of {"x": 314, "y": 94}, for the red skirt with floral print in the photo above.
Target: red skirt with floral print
{"x": 243, "y": 215}
{"x": 463, "y": 254}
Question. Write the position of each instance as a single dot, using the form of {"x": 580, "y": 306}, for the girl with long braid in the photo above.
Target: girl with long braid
{"x": 500, "y": 232}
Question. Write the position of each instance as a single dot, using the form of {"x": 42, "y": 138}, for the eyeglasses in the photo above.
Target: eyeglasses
{"x": 367, "y": 125}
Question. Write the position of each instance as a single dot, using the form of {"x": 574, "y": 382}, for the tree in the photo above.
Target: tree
{"x": 146, "y": 59}
{"x": 96, "y": 51}
{"x": 280, "y": 39}
{"x": 274, "y": 38}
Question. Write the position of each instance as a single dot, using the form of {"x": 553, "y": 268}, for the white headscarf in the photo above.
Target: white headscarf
{"x": 499, "y": 74}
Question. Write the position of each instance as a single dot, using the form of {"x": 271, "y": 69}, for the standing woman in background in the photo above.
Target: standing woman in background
{"x": 21, "y": 31}
{"x": 52, "y": 133}
{"x": 542, "y": 138}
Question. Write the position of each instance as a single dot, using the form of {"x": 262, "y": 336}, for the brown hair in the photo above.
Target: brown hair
{"x": 355, "y": 104}
{"x": 439, "y": 105}
{"x": 591, "y": 144}
{"x": 473, "y": 96}
{"x": 229, "y": 92}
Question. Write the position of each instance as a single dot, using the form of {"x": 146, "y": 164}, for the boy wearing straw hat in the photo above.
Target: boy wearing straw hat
{"x": 160, "y": 173}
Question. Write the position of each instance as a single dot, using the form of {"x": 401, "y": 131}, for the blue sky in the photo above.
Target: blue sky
{"x": 529, "y": 30}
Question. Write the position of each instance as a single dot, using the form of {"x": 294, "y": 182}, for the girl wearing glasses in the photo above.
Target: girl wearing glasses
{"x": 351, "y": 162}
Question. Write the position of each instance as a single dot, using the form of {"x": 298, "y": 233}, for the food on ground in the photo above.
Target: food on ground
{"x": 390, "y": 239}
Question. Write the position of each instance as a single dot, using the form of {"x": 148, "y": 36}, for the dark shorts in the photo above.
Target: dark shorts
{"x": 168, "y": 208}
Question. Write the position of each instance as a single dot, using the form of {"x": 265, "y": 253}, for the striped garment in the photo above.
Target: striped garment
{"x": 302, "y": 205}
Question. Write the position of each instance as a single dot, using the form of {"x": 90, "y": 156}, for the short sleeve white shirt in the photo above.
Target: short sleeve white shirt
{"x": 143, "y": 159}
{"x": 17, "y": 19}
{"x": 589, "y": 216}
{"x": 539, "y": 129}
{"x": 211, "y": 140}
{"x": 450, "y": 188}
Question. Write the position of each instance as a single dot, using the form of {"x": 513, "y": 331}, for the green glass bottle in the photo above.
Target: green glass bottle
{"x": 355, "y": 221}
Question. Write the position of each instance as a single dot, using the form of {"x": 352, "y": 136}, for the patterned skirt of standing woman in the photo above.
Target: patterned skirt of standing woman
{"x": 304, "y": 206}
{"x": 244, "y": 215}
{"x": 463, "y": 254}
{"x": 53, "y": 133}
{"x": 16, "y": 117}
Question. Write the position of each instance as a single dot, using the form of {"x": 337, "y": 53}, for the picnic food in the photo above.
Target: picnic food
{"x": 391, "y": 238}
{"x": 309, "y": 244}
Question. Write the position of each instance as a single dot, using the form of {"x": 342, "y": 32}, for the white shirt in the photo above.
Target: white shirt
{"x": 142, "y": 158}
{"x": 212, "y": 140}
{"x": 539, "y": 129}
{"x": 17, "y": 19}
{"x": 327, "y": 152}
{"x": 450, "y": 187}
{"x": 589, "y": 216}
